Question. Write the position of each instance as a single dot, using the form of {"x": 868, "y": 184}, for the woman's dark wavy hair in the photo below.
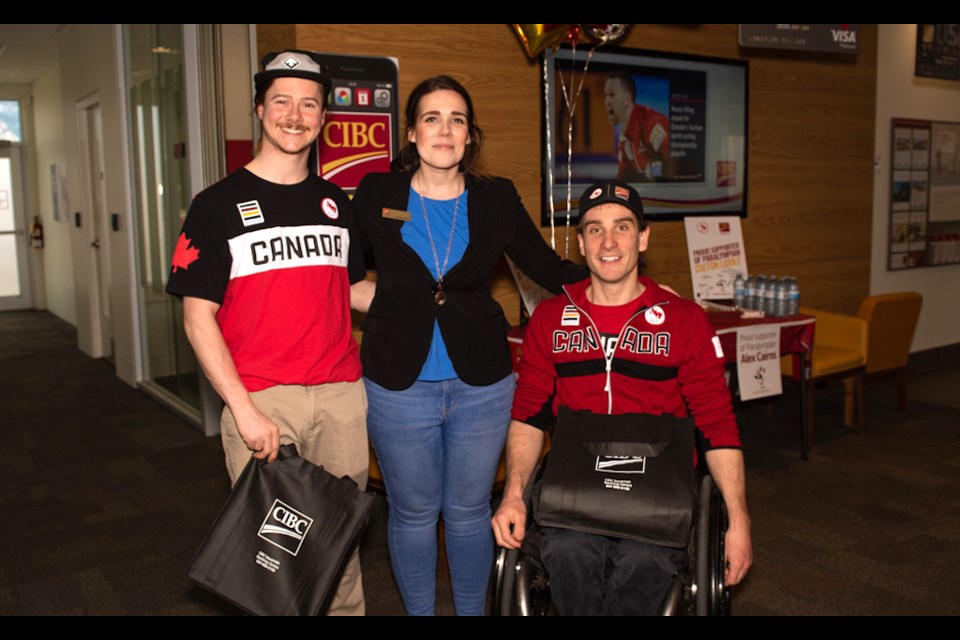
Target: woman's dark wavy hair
{"x": 408, "y": 158}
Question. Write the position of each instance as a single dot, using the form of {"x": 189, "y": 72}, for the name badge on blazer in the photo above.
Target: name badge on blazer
{"x": 395, "y": 214}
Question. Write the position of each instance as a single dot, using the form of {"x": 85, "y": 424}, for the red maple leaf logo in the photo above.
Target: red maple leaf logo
{"x": 184, "y": 255}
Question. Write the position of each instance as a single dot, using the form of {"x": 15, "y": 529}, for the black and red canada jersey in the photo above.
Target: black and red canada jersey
{"x": 279, "y": 260}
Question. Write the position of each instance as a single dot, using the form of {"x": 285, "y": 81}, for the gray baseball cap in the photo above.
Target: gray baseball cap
{"x": 293, "y": 63}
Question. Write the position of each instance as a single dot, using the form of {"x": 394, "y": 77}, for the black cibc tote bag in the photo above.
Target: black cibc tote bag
{"x": 626, "y": 476}
{"x": 282, "y": 539}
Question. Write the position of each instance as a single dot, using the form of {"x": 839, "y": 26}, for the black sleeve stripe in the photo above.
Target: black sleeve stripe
{"x": 544, "y": 418}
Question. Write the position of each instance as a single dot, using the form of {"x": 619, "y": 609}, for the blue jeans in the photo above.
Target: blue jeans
{"x": 438, "y": 445}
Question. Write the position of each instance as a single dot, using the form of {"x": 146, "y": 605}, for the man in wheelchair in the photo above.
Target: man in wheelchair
{"x": 615, "y": 344}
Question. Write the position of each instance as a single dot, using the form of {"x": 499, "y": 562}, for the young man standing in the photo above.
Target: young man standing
{"x": 265, "y": 264}
{"x": 617, "y": 343}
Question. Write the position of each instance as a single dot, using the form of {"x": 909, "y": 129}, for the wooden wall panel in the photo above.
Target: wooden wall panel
{"x": 810, "y": 164}
{"x": 275, "y": 37}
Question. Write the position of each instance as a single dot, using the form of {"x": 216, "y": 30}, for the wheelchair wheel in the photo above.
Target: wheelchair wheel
{"x": 712, "y": 596}
{"x": 522, "y": 587}
{"x": 506, "y": 580}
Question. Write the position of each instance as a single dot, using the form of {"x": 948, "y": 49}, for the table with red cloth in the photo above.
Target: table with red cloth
{"x": 796, "y": 339}
{"x": 796, "y": 332}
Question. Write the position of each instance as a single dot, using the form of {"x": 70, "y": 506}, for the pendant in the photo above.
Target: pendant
{"x": 439, "y": 295}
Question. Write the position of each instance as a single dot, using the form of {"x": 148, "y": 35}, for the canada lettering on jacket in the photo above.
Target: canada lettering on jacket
{"x": 633, "y": 340}
{"x": 296, "y": 247}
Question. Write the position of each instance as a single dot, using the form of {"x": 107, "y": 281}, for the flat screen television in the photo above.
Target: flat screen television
{"x": 674, "y": 126}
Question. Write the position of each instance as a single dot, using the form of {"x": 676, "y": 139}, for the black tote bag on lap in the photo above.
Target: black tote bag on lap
{"x": 626, "y": 476}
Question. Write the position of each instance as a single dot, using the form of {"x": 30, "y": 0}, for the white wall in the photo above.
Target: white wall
{"x": 88, "y": 64}
{"x": 901, "y": 95}
{"x": 57, "y": 254}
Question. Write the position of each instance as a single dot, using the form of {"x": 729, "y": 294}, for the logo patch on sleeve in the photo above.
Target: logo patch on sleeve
{"x": 250, "y": 212}
{"x": 184, "y": 255}
{"x": 717, "y": 347}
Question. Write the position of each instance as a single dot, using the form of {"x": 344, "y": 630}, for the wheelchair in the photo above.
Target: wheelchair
{"x": 522, "y": 585}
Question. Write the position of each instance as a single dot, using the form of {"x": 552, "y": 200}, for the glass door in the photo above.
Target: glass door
{"x": 175, "y": 112}
{"x": 155, "y": 91}
{"x": 14, "y": 266}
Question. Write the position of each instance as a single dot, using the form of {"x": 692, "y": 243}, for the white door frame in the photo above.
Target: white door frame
{"x": 95, "y": 232}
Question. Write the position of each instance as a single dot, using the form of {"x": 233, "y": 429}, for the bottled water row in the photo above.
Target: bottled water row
{"x": 773, "y": 296}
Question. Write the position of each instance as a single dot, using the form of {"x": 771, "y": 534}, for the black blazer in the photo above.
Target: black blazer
{"x": 399, "y": 327}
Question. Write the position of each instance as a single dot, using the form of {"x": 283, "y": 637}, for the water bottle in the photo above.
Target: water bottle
{"x": 739, "y": 286}
{"x": 793, "y": 297}
{"x": 780, "y": 301}
{"x": 770, "y": 296}
{"x": 749, "y": 292}
{"x": 759, "y": 293}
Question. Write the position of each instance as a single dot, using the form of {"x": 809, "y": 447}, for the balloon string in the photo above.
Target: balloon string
{"x": 546, "y": 101}
{"x": 571, "y": 102}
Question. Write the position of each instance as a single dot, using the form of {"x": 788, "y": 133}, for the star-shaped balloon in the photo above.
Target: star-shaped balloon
{"x": 536, "y": 38}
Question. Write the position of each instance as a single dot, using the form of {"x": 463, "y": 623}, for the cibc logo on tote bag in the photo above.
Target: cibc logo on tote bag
{"x": 285, "y": 527}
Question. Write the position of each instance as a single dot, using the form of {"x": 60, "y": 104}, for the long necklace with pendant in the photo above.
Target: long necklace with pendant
{"x": 439, "y": 295}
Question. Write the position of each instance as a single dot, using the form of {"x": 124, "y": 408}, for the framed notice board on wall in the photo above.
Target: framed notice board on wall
{"x": 924, "y": 194}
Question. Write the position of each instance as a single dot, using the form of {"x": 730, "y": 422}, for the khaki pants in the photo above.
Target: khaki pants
{"x": 328, "y": 423}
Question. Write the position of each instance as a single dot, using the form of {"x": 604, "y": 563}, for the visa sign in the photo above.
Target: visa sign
{"x": 843, "y": 36}
{"x": 351, "y": 145}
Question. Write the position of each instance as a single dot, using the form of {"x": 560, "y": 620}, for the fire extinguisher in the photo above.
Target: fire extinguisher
{"x": 36, "y": 233}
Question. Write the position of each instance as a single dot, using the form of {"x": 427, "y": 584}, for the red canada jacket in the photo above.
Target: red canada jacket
{"x": 666, "y": 360}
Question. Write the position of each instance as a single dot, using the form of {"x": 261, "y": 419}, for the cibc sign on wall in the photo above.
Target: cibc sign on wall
{"x": 360, "y": 132}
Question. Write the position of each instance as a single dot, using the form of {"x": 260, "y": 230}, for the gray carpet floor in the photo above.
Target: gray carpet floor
{"x": 105, "y": 495}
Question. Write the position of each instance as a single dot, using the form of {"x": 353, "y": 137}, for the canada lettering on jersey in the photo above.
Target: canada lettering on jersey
{"x": 287, "y": 248}
{"x": 633, "y": 340}
{"x": 609, "y": 344}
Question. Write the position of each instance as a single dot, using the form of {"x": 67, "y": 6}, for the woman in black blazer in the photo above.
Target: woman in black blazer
{"x": 436, "y": 364}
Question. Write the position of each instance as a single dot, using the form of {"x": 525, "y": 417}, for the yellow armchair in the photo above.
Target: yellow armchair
{"x": 839, "y": 352}
{"x": 891, "y": 320}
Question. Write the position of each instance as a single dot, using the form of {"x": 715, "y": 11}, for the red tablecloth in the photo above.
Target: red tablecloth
{"x": 796, "y": 332}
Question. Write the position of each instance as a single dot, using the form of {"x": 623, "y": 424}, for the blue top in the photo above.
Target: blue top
{"x": 437, "y": 366}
